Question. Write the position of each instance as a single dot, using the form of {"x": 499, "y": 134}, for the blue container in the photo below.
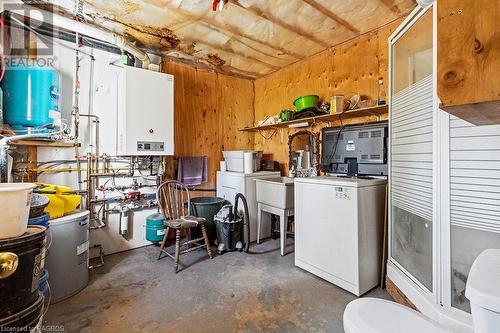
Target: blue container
{"x": 31, "y": 96}
{"x": 42, "y": 281}
{"x": 40, "y": 220}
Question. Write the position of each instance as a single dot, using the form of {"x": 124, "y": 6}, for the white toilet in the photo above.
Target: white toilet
{"x": 371, "y": 315}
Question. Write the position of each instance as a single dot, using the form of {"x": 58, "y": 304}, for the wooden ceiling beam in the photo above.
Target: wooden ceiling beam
{"x": 231, "y": 51}
{"x": 325, "y": 11}
{"x": 280, "y": 23}
{"x": 226, "y": 70}
{"x": 258, "y": 50}
{"x": 392, "y": 6}
{"x": 251, "y": 47}
{"x": 249, "y": 74}
{"x": 239, "y": 33}
{"x": 230, "y": 29}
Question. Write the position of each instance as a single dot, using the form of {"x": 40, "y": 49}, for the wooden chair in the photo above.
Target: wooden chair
{"x": 175, "y": 203}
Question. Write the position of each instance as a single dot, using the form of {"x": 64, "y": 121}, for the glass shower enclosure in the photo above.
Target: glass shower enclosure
{"x": 412, "y": 150}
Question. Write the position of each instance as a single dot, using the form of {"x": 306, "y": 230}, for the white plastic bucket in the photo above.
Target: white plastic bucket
{"x": 15, "y": 200}
{"x": 235, "y": 160}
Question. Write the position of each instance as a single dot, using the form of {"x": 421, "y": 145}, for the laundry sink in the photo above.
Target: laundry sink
{"x": 276, "y": 192}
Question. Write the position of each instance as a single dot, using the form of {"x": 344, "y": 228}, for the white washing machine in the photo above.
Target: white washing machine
{"x": 339, "y": 230}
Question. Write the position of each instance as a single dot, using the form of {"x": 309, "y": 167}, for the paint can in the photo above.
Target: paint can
{"x": 23, "y": 256}
{"x": 26, "y": 320}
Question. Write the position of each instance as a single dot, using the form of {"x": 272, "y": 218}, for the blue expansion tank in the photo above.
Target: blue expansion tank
{"x": 31, "y": 96}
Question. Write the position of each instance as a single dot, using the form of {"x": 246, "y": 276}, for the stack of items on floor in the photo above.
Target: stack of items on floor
{"x": 22, "y": 254}
{"x": 237, "y": 174}
{"x": 32, "y": 255}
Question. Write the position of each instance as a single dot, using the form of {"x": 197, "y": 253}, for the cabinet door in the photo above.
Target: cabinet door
{"x": 326, "y": 229}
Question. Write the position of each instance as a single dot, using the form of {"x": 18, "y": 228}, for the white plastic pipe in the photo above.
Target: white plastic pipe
{"x": 124, "y": 219}
{"x": 85, "y": 29}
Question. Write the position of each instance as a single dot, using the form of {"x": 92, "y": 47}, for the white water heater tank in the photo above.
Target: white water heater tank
{"x": 145, "y": 119}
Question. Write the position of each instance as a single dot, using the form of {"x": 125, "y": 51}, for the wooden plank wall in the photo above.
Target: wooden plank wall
{"x": 209, "y": 110}
{"x": 211, "y": 107}
{"x": 350, "y": 68}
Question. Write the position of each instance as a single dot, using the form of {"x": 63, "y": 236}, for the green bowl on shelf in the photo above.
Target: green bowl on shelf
{"x": 305, "y": 102}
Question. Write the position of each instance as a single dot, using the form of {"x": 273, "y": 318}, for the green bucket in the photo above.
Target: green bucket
{"x": 206, "y": 207}
{"x": 155, "y": 228}
{"x": 305, "y": 102}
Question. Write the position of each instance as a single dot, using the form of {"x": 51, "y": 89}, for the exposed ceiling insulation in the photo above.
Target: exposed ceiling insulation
{"x": 249, "y": 38}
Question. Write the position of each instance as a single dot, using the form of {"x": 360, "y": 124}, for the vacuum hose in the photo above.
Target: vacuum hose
{"x": 246, "y": 222}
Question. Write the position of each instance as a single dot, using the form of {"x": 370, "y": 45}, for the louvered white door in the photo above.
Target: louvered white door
{"x": 474, "y": 199}
{"x": 411, "y": 151}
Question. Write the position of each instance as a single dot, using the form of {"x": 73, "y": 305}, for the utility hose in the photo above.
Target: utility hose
{"x": 246, "y": 221}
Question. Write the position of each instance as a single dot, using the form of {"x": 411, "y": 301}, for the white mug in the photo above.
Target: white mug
{"x": 223, "y": 166}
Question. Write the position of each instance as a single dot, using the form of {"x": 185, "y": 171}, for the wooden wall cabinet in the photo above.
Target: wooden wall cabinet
{"x": 469, "y": 59}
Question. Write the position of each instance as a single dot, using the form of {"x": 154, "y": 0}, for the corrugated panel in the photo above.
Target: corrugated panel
{"x": 411, "y": 149}
{"x": 475, "y": 175}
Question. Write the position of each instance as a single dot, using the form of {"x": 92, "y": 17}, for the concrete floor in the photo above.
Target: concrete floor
{"x": 235, "y": 292}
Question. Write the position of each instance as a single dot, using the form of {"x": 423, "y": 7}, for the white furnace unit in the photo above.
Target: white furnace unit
{"x": 145, "y": 119}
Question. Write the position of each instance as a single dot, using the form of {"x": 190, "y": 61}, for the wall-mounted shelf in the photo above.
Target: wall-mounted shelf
{"x": 7, "y": 131}
{"x": 32, "y": 151}
{"x": 377, "y": 110}
{"x": 40, "y": 143}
